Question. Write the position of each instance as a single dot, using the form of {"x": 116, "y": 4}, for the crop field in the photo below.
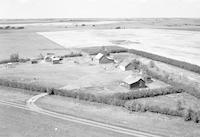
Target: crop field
{"x": 177, "y": 44}
{"x": 27, "y": 45}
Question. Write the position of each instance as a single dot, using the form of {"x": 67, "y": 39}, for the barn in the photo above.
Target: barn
{"x": 102, "y": 59}
{"x": 133, "y": 82}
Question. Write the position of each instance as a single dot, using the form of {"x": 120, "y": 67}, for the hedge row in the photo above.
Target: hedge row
{"x": 135, "y": 106}
{"x": 188, "y": 114}
{"x": 144, "y": 93}
{"x": 72, "y": 55}
{"x": 187, "y": 88}
{"x": 109, "y": 49}
{"x": 181, "y": 64}
{"x": 25, "y": 86}
{"x": 109, "y": 99}
{"x": 5, "y": 61}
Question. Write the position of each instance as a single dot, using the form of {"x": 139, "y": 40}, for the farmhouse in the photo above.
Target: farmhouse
{"x": 133, "y": 82}
{"x": 102, "y": 59}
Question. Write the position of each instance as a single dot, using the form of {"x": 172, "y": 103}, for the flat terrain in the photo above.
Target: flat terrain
{"x": 17, "y": 122}
{"x": 176, "y": 44}
{"x": 15, "y": 95}
{"x": 172, "y": 38}
{"x": 27, "y": 45}
{"x": 149, "y": 122}
{"x": 71, "y": 74}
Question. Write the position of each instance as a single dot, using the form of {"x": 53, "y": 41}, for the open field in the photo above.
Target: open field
{"x": 27, "y": 45}
{"x": 180, "y": 45}
{"x": 15, "y": 95}
{"x": 154, "y": 123}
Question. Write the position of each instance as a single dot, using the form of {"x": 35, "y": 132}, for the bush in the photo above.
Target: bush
{"x": 14, "y": 57}
{"x": 151, "y": 64}
{"x": 118, "y": 27}
{"x": 147, "y": 93}
{"x": 190, "y": 89}
{"x": 98, "y": 49}
{"x": 135, "y": 106}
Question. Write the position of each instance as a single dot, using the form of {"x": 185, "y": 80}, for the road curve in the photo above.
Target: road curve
{"x": 32, "y": 106}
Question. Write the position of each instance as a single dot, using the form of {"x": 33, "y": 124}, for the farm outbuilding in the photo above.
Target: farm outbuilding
{"x": 34, "y": 61}
{"x": 133, "y": 82}
{"x": 56, "y": 60}
{"x": 147, "y": 79}
{"x": 129, "y": 65}
{"x": 102, "y": 59}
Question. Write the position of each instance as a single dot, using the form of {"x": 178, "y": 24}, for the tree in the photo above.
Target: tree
{"x": 14, "y": 57}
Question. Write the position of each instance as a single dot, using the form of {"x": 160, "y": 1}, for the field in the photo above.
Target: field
{"x": 180, "y": 45}
{"x": 27, "y": 45}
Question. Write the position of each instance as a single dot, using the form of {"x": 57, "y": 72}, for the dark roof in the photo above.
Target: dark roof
{"x": 132, "y": 79}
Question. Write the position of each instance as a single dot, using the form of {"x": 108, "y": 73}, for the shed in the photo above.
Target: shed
{"x": 56, "y": 60}
{"x": 102, "y": 59}
{"x": 129, "y": 65}
{"x": 34, "y": 61}
{"x": 134, "y": 82}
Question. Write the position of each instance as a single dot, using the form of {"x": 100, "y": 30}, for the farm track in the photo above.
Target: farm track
{"x": 32, "y": 107}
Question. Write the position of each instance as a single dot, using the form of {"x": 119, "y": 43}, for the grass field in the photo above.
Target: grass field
{"x": 74, "y": 73}
{"x": 154, "y": 123}
{"x": 69, "y": 75}
{"x": 172, "y": 101}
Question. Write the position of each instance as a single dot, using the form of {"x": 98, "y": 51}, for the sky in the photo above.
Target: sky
{"x": 99, "y": 8}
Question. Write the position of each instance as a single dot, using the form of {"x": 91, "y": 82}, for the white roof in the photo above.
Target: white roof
{"x": 99, "y": 56}
{"x": 54, "y": 59}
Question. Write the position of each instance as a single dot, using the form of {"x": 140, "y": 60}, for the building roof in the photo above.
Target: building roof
{"x": 125, "y": 63}
{"x": 55, "y": 59}
{"x": 99, "y": 56}
{"x": 132, "y": 79}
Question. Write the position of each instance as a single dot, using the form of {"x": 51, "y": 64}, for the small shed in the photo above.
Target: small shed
{"x": 102, "y": 59}
{"x": 128, "y": 64}
{"x": 56, "y": 60}
{"x": 147, "y": 79}
{"x": 133, "y": 82}
{"x": 34, "y": 61}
